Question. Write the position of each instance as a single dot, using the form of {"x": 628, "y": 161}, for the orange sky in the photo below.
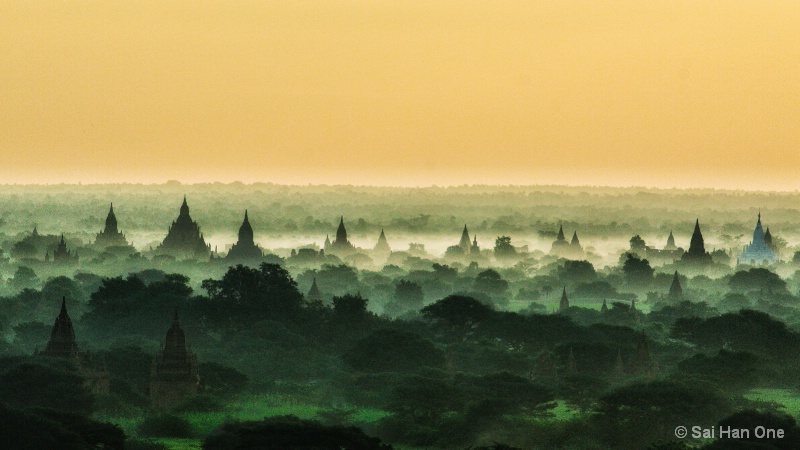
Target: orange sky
{"x": 402, "y": 92}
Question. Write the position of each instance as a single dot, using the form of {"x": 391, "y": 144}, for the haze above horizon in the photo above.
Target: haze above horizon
{"x": 665, "y": 94}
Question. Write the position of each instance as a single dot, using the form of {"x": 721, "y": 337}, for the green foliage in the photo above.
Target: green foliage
{"x": 393, "y": 351}
{"x": 51, "y": 429}
{"x": 221, "y": 380}
{"x": 577, "y": 272}
{"x": 44, "y": 382}
{"x": 165, "y": 425}
{"x": 200, "y": 403}
{"x": 757, "y": 279}
{"x": 456, "y": 310}
{"x": 408, "y": 295}
{"x": 750, "y": 420}
{"x": 350, "y": 309}
{"x": 732, "y": 371}
{"x": 490, "y": 282}
{"x": 289, "y": 432}
{"x": 245, "y": 294}
{"x": 503, "y": 247}
{"x": 638, "y": 414}
{"x": 746, "y": 330}
{"x": 637, "y": 270}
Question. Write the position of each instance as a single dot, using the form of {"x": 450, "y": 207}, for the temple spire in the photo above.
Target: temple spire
{"x": 564, "y": 304}
{"x": 675, "y": 290}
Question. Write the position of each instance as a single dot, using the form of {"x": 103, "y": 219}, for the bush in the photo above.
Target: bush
{"x": 201, "y": 403}
{"x": 166, "y": 425}
{"x": 144, "y": 444}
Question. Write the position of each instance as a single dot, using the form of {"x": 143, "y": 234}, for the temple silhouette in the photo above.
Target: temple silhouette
{"x": 184, "y": 239}
{"x": 759, "y": 252}
{"x": 110, "y": 236}
{"x": 340, "y": 246}
{"x": 245, "y": 248}
{"x": 62, "y": 255}
{"x": 697, "y": 253}
{"x": 62, "y": 344}
{"x": 174, "y": 374}
{"x": 568, "y": 250}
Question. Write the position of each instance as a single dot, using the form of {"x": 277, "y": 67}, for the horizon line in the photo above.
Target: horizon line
{"x": 173, "y": 182}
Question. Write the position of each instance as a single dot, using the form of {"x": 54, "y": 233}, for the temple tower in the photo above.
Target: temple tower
{"x": 465, "y": 243}
{"x": 62, "y": 344}
{"x": 697, "y": 250}
{"x": 382, "y": 246}
{"x": 62, "y": 338}
{"x": 184, "y": 238}
{"x": 675, "y": 289}
{"x": 314, "y": 294}
{"x": 174, "y": 374}
{"x": 564, "y": 304}
{"x": 341, "y": 245}
{"x": 111, "y": 236}
{"x": 759, "y": 251}
{"x": 245, "y": 247}
{"x": 670, "y": 242}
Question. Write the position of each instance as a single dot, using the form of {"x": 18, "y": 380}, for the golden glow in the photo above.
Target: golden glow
{"x": 654, "y": 93}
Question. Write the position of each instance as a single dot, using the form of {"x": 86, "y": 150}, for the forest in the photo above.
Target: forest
{"x": 471, "y": 317}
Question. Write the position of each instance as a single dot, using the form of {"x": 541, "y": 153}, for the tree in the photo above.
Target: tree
{"x": 393, "y": 351}
{"x": 29, "y": 336}
{"x": 247, "y": 294}
{"x": 289, "y": 432}
{"x": 24, "y": 277}
{"x": 503, "y": 247}
{"x": 457, "y": 311}
{"x": 577, "y": 271}
{"x": 734, "y": 371}
{"x": 749, "y": 420}
{"x": 490, "y": 282}
{"x": 757, "y": 278}
{"x": 42, "y": 428}
{"x": 641, "y": 413}
{"x": 407, "y": 296}
{"x": 44, "y": 382}
{"x": 637, "y": 270}
{"x": 221, "y": 380}
{"x": 349, "y": 308}
{"x": 638, "y": 245}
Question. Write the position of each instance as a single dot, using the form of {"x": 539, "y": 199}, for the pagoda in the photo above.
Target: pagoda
{"x": 670, "y": 242}
{"x": 675, "y": 289}
{"x": 475, "y": 250}
{"x": 314, "y": 294}
{"x": 564, "y": 303}
{"x": 245, "y": 248}
{"x": 62, "y": 344}
{"x": 174, "y": 374}
{"x": 341, "y": 245}
{"x": 184, "y": 238}
{"x": 759, "y": 251}
{"x": 111, "y": 236}
{"x": 382, "y": 246}
{"x": 62, "y": 255}
{"x": 697, "y": 253}
{"x": 465, "y": 243}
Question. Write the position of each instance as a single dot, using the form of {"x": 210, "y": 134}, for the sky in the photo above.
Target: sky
{"x": 663, "y": 93}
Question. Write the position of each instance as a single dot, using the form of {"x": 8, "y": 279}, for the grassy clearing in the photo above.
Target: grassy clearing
{"x": 253, "y": 407}
{"x": 789, "y": 398}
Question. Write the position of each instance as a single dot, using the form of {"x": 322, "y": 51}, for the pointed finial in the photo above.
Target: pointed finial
{"x": 63, "y": 304}
{"x": 176, "y": 319}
